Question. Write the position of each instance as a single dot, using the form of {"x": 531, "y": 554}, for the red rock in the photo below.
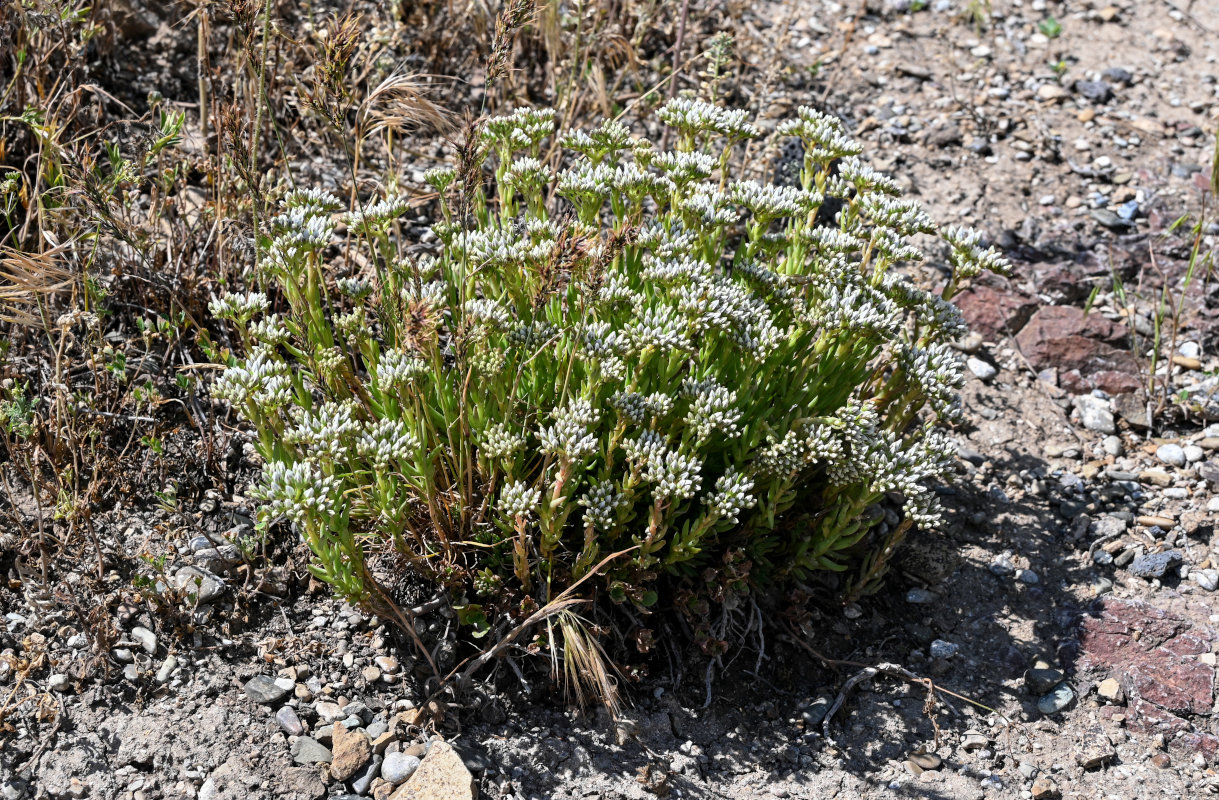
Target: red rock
{"x": 1086, "y": 349}
{"x": 1155, "y": 656}
{"x": 1192, "y": 743}
{"x": 995, "y": 312}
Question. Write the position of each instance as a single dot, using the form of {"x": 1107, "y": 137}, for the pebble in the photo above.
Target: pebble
{"x": 1172, "y": 454}
{"x": 1044, "y": 788}
{"x": 1056, "y": 700}
{"x": 58, "y": 682}
{"x": 1155, "y": 477}
{"x": 328, "y": 712}
{"x": 371, "y": 674}
{"x": 982, "y": 370}
{"x": 921, "y": 596}
{"x": 1208, "y": 579}
{"x": 397, "y": 767}
{"x": 1112, "y": 445}
{"x": 361, "y": 783}
{"x": 1028, "y": 577}
{"x": 942, "y": 649}
{"x": 310, "y": 751}
{"x": 146, "y": 639}
{"x": 1154, "y": 565}
{"x": 167, "y": 669}
{"x": 1002, "y": 566}
{"x": 206, "y": 586}
{"x": 1095, "y": 415}
{"x": 265, "y": 691}
{"x": 1193, "y": 453}
{"x": 131, "y": 673}
{"x": 1110, "y": 690}
{"x": 1041, "y": 680}
{"x": 387, "y": 664}
{"x": 974, "y": 740}
{"x": 289, "y": 722}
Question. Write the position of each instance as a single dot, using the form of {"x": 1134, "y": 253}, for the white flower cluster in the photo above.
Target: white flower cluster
{"x": 499, "y": 249}
{"x": 386, "y": 441}
{"x": 865, "y": 180}
{"x": 602, "y": 505}
{"x": 684, "y": 168}
{"x": 693, "y": 116}
{"x": 733, "y": 493}
{"x": 571, "y": 434}
{"x": 608, "y": 138}
{"x": 938, "y": 372}
{"x": 240, "y": 308}
{"x": 270, "y": 331}
{"x": 484, "y": 312}
{"x": 517, "y": 500}
{"x": 263, "y": 380}
{"x": 355, "y": 288}
{"x": 640, "y": 408}
{"x": 676, "y": 475}
{"x": 379, "y": 213}
{"x": 523, "y": 129}
{"x": 499, "y": 442}
{"x": 768, "y": 202}
{"x": 317, "y": 201}
{"x": 967, "y": 256}
{"x": 824, "y": 136}
{"x": 398, "y": 368}
{"x": 298, "y": 491}
{"x": 712, "y": 409}
{"x": 527, "y": 174}
{"x": 326, "y": 430}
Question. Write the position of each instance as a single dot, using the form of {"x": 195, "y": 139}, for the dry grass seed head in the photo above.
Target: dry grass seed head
{"x": 25, "y": 279}
{"x": 399, "y": 103}
{"x": 586, "y": 669}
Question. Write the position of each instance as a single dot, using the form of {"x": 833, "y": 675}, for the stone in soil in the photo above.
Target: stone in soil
{"x": 310, "y": 751}
{"x": 361, "y": 783}
{"x": 1056, "y": 700}
{"x": 1041, "y": 680}
{"x": 1044, "y": 788}
{"x": 265, "y": 691}
{"x": 351, "y": 751}
{"x": 1155, "y": 565}
{"x": 1110, "y": 689}
{"x": 942, "y": 649}
{"x": 146, "y": 639}
{"x": 1094, "y": 413}
{"x": 206, "y": 586}
{"x": 982, "y": 370}
{"x": 442, "y": 775}
{"x": 995, "y": 313}
{"x": 397, "y": 767}
{"x": 289, "y": 722}
{"x": 1084, "y": 348}
{"x": 1156, "y": 656}
{"x": 1171, "y": 454}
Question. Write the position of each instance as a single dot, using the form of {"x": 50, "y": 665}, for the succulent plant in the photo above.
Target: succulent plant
{"x": 609, "y": 348}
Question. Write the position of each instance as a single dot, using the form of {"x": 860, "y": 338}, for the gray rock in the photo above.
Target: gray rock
{"x": 982, "y": 370}
{"x": 131, "y": 673}
{"x": 1041, "y": 680}
{"x": 942, "y": 649}
{"x": 58, "y": 682}
{"x": 1095, "y": 414}
{"x": 310, "y": 751}
{"x": 814, "y": 715}
{"x": 1058, "y": 699}
{"x": 78, "y": 641}
{"x": 199, "y": 582}
{"x": 921, "y": 596}
{"x": 1002, "y": 566}
{"x": 146, "y": 639}
{"x": 1110, "y": 220}
{"x": 363, "y": 779}
{"x": 1193, "y": 453}
{"x": 1113, "y": 445}
{"x": 1118, "y": 75}
{"x": 1096, "y": 91}
{"x": 1208, "y": 579}
{"x": 289, "y": 722}
{"x": 1027, "y": 576}
{"x": 1154, "y": 565}
{"x": 1172, "y": 454}
{"x": 397, "y": 767}
{"x": 264, "y": 691}
{"x": 208, "y": 790}
{"x": 167, "y": 669}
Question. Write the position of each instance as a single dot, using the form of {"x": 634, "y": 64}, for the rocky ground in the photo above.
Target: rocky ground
{"x": 1069, "y": 606}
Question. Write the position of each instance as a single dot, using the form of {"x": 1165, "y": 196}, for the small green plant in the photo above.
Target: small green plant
{"x": 1050, "y": 27}
{"x": 620, "y": 351}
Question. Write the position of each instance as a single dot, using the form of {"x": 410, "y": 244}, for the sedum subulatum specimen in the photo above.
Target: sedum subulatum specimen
{"x": 631, "y": 349}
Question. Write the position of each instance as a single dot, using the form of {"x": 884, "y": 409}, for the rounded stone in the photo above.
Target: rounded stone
{"x": 1171, "y": 454}
{"x": 398, "y": 767}
{"x": 1056, "y": 700}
